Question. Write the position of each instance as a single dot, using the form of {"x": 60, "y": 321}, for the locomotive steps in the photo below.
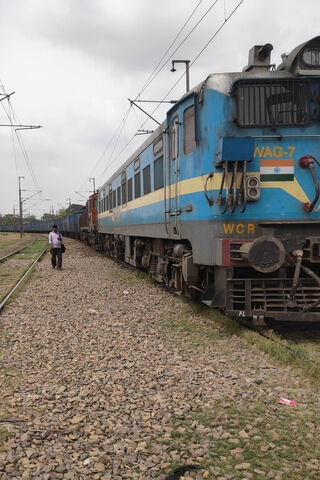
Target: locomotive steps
{"x": 140, "y": 385}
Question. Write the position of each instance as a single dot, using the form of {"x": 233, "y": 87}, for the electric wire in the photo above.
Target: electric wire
{"x": 180, "y": 44}
{"x": 183, "y": 74}
{"x": 151, "y": 77}
{"x": 11, "y": 115}
{"x": 14, "y": 152}
{"x": 114, "y": 135}
{"x": 156, "y": 71}
{"x": 117, "y": 140}
{"x": 198, "y": 55}
{"x": 23, "y": 147}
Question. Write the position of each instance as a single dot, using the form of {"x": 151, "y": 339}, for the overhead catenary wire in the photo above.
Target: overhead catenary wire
{"x": 156, "y": 71}
{"x": 113, "y": 136}
{"x": 151, "y": 77}
{"x": 180, "y": 44}
{"x": 12, "y": 116}
{"x": 199, "y": 54}
{"x": 123, "y": 123}
{"x": 226, "y": 19}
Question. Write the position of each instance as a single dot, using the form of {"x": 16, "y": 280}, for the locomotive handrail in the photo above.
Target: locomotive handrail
{"x": 233, "y": 188}
{"x": 316, "y": 186}
{"x": 313, "y": 275}
{"x": 307, "y": 161}
{"x": 224, "y": 179}
{"x": 210, "y": 200}
{"x": 242, "y": 196}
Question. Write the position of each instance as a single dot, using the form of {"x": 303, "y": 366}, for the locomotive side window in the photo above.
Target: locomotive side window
{"x": 137, "y": 185}
{"x": 123, "y": 187}
{"x": 124, "y": 192}
{"x": 158, "y": 147}
{"x": 158, "y": 173}
{"x": 118, "y": 196}
{"x": 272, "y": 103}
{"x": 146, "y": 180}
{"x": 110, "y": 200}
{"x": 129, "y": 186}
{"x": 189, "y": 137}
{"x": 175, "y": 138}
{"x": 114, "y": 198}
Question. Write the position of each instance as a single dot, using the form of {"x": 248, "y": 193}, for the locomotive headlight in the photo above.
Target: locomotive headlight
{"x": 253, "y": 188}
{"x": 311, "y": 57}
{"x": 253, "y": 192}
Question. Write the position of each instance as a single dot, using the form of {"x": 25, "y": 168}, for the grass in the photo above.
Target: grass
{"x": 266, "y": 440}
{"x": 16, "y": 266}
{"x": 125, "y": 277}
{"x": 13, "y": 239}
{"x": 276, "y": 347}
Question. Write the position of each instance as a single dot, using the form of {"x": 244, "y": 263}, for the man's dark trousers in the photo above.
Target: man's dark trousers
{"x": 56, "y": 252}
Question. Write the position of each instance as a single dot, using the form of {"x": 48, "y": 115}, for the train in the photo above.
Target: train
{"x": 221, "y": 201}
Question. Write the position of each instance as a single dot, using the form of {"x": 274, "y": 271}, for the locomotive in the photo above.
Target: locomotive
{"x": 221, "y": 201}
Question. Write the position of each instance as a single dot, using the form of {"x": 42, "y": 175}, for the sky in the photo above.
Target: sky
{"x": 73, "y": 64}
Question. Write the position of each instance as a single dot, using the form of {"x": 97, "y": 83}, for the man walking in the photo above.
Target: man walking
{"x": 55, "y": 240}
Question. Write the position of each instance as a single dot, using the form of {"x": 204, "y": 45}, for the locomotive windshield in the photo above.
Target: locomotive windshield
{"x": 276, "y": 103}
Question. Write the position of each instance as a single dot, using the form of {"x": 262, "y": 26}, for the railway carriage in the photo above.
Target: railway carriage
{"x": 221, "y": 200}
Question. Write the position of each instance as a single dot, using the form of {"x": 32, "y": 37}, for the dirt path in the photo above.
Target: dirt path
{"x": 106, "y": 376}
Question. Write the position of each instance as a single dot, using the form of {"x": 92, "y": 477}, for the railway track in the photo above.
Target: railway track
{"x": 16, "y": 266}
{"x": 5, "y": 257}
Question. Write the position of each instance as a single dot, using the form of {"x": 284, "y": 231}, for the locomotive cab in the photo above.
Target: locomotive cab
{"x": 274, "y": 143}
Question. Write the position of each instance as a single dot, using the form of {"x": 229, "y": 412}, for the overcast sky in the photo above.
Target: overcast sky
{"x": 74, "y": 63}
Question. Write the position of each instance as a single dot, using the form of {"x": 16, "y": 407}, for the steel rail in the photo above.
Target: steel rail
{"x": 278, "y": 342}
{"x": 24, "y": 276}
{"x": 16, "y": 251}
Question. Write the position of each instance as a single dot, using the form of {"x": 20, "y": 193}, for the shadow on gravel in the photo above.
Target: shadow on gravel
{"x": 179, "y": 472}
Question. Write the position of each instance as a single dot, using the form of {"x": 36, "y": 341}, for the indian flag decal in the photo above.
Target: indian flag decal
{"x": 277, "y": 169}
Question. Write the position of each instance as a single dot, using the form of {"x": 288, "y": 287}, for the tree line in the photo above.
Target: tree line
{"x": 10, "y": 219}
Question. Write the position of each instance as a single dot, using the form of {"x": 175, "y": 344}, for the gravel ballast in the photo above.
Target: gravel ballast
{"x": 108, "y": 376}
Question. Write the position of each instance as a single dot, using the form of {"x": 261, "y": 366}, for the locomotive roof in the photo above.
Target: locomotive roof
{"x": 221, "y": 82}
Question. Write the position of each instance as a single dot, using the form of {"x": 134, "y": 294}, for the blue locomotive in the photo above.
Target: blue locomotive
{"x": 221, "y": 201}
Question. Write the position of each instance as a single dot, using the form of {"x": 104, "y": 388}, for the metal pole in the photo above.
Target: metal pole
{"x": 187, "y": 76}
{"x": 187, "y": 63}
{"x": 94, "y": 183}
{"x": 20, "y": 208}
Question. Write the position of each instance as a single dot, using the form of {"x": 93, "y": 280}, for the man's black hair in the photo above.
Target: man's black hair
{"x": 54, "y": 226}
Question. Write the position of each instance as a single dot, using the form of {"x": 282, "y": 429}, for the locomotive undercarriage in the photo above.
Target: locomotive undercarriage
{"x": 166, "y": 261}
{"x": 238, "y": 291}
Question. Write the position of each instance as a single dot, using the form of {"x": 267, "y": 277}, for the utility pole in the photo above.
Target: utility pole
{"x": 69, "y": 201}
{"x": 20, "y": 208}
{"x": 94, "y": 183}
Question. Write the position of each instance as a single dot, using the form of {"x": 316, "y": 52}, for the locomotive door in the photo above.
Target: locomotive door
{"x": 173, "y": 176}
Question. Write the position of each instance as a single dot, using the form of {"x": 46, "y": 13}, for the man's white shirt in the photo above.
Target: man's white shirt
{"x": 54, "y": 239}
